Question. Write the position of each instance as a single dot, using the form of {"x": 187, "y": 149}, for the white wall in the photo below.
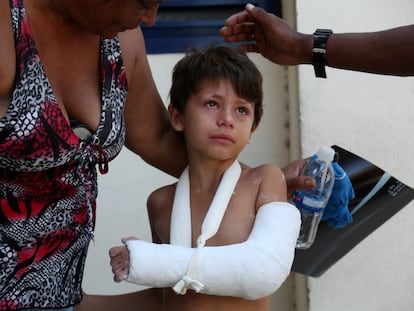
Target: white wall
{"x": 372, "y": 116}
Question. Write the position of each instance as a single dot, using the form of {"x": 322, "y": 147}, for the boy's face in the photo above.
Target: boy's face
{"x": 216, "y": 122}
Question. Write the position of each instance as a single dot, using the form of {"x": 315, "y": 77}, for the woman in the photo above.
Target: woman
{"x": 66, "y": 77}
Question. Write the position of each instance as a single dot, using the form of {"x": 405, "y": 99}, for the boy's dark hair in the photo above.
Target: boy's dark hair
{"x": 217, "y": 62}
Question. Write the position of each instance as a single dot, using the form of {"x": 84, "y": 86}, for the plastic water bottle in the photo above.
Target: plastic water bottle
{"x": 311, "y": 203}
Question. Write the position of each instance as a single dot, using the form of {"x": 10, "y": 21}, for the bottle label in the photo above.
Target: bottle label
{"x": 312, "y": 204}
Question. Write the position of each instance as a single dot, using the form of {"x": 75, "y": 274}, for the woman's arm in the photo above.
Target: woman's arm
{"x": 148, "y": 130}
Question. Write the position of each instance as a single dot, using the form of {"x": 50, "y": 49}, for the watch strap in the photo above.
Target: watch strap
{"x": 320, "y": 39}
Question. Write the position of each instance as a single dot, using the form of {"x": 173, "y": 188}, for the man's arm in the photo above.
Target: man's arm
{"x": 387, "y": 52}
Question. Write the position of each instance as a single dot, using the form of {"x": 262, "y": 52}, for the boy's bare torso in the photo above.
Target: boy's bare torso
{"x": 235, "y": 228}
{"x": 200, "y": 302}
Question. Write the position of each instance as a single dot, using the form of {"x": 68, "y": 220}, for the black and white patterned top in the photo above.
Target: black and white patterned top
{"x": 48, "y": 178}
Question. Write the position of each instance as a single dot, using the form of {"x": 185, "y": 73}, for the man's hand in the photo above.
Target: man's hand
{"x": 269, "y": 35}
{"x": 293, "y": 179}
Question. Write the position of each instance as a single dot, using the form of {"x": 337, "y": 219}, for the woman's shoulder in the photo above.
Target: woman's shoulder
{"x": 132, "y": 46}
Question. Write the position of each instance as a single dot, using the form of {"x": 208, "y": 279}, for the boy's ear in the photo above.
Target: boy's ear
{"x": 251, "y": 132}
{"x": 176, "y": 119}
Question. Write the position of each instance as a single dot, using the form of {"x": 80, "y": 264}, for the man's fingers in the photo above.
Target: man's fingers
{"x": 299, "y": 182}
{"x": 302, "y": 182}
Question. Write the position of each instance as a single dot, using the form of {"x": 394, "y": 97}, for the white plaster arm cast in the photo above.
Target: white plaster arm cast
{"x": 251, "y": 270}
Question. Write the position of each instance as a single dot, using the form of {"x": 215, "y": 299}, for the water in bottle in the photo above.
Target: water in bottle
{"x": 311, "y": 203}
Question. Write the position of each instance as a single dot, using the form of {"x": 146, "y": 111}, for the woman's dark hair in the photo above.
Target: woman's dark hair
{"x": 217, "y": 62}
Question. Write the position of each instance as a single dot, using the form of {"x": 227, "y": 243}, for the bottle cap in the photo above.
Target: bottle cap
{"x": 326, "y": 154}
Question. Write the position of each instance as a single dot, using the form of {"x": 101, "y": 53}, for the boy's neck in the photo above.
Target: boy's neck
{"x": 206, "y": 176}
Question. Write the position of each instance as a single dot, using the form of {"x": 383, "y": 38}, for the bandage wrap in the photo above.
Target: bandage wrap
{"x": 251, "y": 270}
{"x": 180, "y": 231}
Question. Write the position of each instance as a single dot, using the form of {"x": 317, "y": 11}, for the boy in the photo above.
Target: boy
{"x": 216, "y": 103}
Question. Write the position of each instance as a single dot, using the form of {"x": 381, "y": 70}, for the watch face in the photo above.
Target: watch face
{"x": 321, "y": 37}
{"x": 323, "y": 31}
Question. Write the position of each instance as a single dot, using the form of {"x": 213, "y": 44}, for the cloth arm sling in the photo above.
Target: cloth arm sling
{"x": 251, "y": 270}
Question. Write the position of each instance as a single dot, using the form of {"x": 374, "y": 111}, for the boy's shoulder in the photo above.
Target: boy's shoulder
{"x": 161, "y": 197}
{"x": 270, "y": 183}
{"x": 263, "y": 170}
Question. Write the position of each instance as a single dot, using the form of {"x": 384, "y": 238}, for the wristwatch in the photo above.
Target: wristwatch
{"x": 320, "y": 38}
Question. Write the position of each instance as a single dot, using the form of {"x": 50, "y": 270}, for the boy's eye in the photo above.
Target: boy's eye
{"x": 243, "y": 110}
{"x": 211, "y": 104}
